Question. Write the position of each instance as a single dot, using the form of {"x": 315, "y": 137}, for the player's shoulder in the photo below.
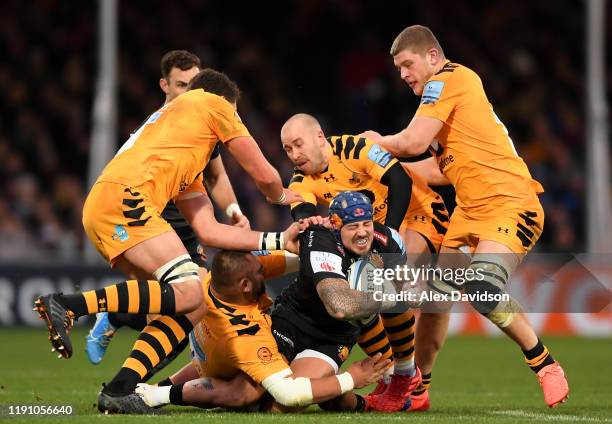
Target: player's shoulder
{"x": 455, "y": 74}
{"x": 347, "y": 147}
{"x": 453, "y": 77}
{"x": 297, "y": 177}
{"x": 317, "y": 237}
{"x": 204, "y": 99}
{"x": 386, "y": 239}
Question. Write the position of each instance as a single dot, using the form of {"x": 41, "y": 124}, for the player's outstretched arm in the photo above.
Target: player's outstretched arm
{"x": 286, "y": 390}
{"x": 429, "y": 170}
{"x": 246, "y": 151}
{"x": 292, "y": 392}
{"x": 199, "y": 212}
{"x": 412, "y": 140}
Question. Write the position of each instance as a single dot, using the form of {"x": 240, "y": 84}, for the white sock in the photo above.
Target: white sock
{"x": 388, "y": 373}
{"x": 154, "y": 395}
{"x": 405, "y": 367}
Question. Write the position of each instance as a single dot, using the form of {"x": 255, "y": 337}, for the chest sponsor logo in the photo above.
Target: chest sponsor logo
{"x": 379, "y": 208}
{"x": 325, "y": 262}
{"x": 445, "y": 161}
{"x": 264, "y": 354}
{"x": 381, "y": 238}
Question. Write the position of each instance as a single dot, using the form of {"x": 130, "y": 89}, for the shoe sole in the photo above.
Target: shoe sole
{"x": 107, "y": 405}
{"x": 559, "y": 402}
{"x": 57, "y": 343}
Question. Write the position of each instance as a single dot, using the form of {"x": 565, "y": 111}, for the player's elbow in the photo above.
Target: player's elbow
{"x": 337, "y": 311}
{"x": 416, "y": 147}
{"x": 289, "y": 392}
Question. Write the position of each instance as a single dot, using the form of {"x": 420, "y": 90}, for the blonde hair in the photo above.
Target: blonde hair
{"x": 417, "y": 38}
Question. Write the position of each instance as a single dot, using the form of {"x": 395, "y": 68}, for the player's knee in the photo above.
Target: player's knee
{"x": 488, "y": 292}
{"x": 190, "y": 296}
{"x": 182, "y": 276}
{"x": 486, "y": 285}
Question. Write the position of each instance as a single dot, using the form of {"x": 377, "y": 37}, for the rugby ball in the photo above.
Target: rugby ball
{"x": 360, "y": 276}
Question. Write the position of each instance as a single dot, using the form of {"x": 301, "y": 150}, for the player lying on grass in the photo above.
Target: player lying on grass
{"x": 310, "y": 318}
{"x": 235, "y": 356}
{"x": 401, "y": 200}
{"x": 498, "y": 216}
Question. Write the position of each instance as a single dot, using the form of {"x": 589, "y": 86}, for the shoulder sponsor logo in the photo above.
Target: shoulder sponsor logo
{"x": 325, "y": 262}
{"x": 379, "y": 156}
{"x": 381, "y": 238}
{"x": 260, "y": 252}
{"x": 432, "y": 92}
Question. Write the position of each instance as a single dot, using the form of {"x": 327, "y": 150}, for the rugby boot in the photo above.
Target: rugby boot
{"x": 59, "y": 321}
{"x": 419, "y": 402}
{"x": 397, "y": 396}
{"x": 98, "y": 338}
{"x": 131, "y": 403}
{"x": 554, "y": 384}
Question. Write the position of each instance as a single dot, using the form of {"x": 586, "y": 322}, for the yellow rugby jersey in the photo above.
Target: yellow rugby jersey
{"x": 169, "y": 151}
{"x": 233, "y": 338}
{"x": 475, "y": 151}
{"x": 355, "y": 164}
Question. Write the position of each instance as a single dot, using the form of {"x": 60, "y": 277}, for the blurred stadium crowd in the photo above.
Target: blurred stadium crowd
{"x": 328, "y": 58}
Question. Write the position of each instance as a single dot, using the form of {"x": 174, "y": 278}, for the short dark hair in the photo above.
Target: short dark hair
{"x": 228, "y": 267}
{"x": 417, "y": 38}
{"x": 181, "y": 59}
{"x": 217, "y": 83}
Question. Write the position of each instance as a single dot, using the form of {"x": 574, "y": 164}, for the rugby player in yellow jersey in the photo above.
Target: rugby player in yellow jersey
{"x": 235, "y": 358}
{"x": 498, "y": 215}
{"x": 163, "y": 161}
{"x": 401, "y": 200}
{"x": 177, "y": 67}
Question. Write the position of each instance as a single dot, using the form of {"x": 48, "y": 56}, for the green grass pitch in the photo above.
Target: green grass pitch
{"x": 482, "y": 380}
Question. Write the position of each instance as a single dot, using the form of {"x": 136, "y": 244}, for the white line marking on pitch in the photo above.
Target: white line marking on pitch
{"x": 550, "y": 417}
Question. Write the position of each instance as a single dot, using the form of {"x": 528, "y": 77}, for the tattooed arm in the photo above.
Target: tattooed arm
{"x": 344, "y": 303}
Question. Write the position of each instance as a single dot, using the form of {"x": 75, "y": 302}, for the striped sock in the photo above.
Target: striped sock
{"x": 538, "y": 357}
{"x": 373, "y": 340}
{"x": 400, "y": 329}
{"x": 156, "y": 342}
{"x": 424, "y": 385}
{"x": 132, "y": 296}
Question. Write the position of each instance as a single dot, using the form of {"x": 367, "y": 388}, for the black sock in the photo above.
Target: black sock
{"x": 538, "y": 357}
{"x": 176, "y": 394}
{"x": 123, "y": 383}
{"x": 360, "y": 407}
{"x": 165, "y": 382}
{"x": 136, "y": 322}
{"x": 73, "y": 302}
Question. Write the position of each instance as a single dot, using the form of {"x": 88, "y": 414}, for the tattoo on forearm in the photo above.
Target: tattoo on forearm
{"x": 338, "y": 298}
{"x": 203, "y": 384}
